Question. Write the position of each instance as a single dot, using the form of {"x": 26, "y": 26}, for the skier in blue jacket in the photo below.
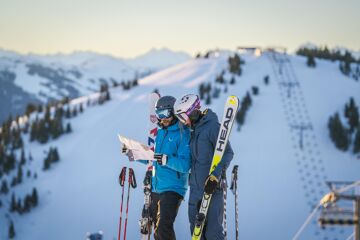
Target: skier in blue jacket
{"x": 172, "y": 165}
{"x": 205, "y": 129}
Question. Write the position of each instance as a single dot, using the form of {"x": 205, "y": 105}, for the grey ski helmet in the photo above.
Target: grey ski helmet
{"x": 164, "y": 107}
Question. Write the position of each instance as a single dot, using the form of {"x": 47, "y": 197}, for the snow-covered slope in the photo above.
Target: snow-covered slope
{"x": 279, "y": 182}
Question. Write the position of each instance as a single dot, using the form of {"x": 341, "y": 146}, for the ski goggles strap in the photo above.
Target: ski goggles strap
{"x": 182, "y": 117}
{"x": 163, "y": 113}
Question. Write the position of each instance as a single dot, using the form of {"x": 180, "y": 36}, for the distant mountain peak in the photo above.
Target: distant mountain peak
{"x": 159, "y": 58}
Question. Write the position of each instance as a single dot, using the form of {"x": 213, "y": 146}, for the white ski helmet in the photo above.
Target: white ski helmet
{"x": 185, "y": 105}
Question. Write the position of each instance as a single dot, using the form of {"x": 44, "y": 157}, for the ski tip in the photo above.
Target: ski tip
{"x": 234, "y": 100}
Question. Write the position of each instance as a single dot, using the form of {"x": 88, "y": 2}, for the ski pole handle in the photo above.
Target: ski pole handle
{"x": 122, "y": 176}
{"x": 235, "y": 171}
{"x": 132, "y": 179}
{"x": 234, "y": 177}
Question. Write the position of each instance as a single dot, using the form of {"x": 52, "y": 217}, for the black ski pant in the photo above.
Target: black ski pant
{"x": 164, "y": 208}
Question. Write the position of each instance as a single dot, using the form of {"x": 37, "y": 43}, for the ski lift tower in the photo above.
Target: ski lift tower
{"x": 333, "y": 214}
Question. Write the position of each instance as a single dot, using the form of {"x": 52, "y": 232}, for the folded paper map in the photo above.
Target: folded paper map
{"x": 137, "y": 150}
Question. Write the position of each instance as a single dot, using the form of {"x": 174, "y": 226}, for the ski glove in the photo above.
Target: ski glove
{"x": 211, "y": 184}
{"x": 161, "y": 158}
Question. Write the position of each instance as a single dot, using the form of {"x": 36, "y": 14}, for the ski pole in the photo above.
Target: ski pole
{"x": 224, "y": 186}
{"x": 122, "y": 184}
{"x": 233, "y": 188}
{"x": 132, "y": 183}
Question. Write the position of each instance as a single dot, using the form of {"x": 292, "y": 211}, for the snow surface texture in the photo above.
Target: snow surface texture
{"x": 279, "y": 181}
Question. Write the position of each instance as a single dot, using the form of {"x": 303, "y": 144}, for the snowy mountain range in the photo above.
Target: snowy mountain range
{"x": 281, "y": 174}
{"x": 42, "y": 78}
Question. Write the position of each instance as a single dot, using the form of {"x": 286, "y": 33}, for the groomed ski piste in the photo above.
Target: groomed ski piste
{"x": 279, "y": 182}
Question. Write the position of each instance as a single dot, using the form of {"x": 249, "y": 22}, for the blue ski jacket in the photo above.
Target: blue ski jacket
{"x": 174, "y": 142}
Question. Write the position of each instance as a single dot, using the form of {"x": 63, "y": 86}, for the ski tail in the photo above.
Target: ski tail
{"x": 230, "y": 109}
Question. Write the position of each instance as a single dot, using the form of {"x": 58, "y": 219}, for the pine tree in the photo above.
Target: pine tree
{"x": 255, "y": 90}
{"x": 22, "y": 157}
{"x": 19, "y": 207}
{"x": 47, "y": 163}
{"x": 9, "y": 163}
{"x": 16, "y": 138}
{"x": 59, "y": 113}
{"x": 201, "y": 91}
{"x": 55, "y": 155}
{"x": 208, "y": 100}
{"x": 30, "y": 108}
{"x": 34, "y": 131}
{"x": 27, "y": 203}
{"x": 56, "y": 127}
{"x": 12, "y": 233}
{"x": 232, "y": 81}
{"x": 4, "y": 187}
{"x": 34, "y": 197}
{"x": 234, "y": 64}
{"x": 338, "y": 133}
{"x": 19, "y": 175}
{"x": 246, "y": 103}
{"x": 43, "y": 136}
{"x": 68, "y": 128}
{"x": 356, "y": 148}
{"x": 240, "y": 117}
{"x": 107, "y": 94}
{"x": 47, "y": 114}
{"x": 134, "y": 84}
{"x": 14, "y": 181}
{"x": 40, "y": 108}
{"x": 13, "y": 206}
{"x": 74, "y": 111}
{"x": 220, "y": 79}
{"x": 311, "y": 61}
{"x": 353, "y": 115}
{"x": 266, "y": 79}
{"x": 2, "y": 154}
{"x": 68, "y": 113}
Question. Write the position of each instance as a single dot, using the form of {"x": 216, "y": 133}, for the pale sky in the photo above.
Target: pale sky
{"x": 127, "y": 28}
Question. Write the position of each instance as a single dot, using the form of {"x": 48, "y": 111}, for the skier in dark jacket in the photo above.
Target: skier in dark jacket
{"x": 172, "y": 165}
{"x": 205, "y": 129}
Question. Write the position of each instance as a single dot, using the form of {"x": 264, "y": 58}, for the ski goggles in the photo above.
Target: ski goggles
{"x": 163, "y": 113}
